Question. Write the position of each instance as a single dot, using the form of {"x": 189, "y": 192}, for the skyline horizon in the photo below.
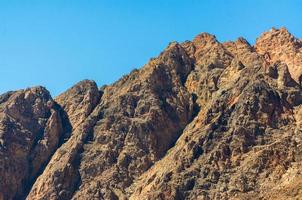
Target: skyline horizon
{"x": 56, "y": 44}
{"x": 99, "y": 86}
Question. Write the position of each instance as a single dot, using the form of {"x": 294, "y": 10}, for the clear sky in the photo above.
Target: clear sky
{"x": 56, "y": 43}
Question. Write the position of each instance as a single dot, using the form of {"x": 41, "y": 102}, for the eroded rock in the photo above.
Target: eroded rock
{"x": 203, "y": 120}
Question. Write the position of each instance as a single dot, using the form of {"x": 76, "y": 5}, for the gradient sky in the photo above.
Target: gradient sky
{"x": 56, "y": 43}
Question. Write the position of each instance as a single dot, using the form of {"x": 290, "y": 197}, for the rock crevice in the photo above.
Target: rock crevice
{"x": 203, "y": 120}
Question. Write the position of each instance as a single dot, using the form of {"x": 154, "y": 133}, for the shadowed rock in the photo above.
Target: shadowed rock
{"x": 203, "y": 120}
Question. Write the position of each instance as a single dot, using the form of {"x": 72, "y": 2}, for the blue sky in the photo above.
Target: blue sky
{"x": 56, "y": 43}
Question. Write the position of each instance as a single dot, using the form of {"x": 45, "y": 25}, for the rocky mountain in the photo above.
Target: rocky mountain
{"x": 203, "y": 120}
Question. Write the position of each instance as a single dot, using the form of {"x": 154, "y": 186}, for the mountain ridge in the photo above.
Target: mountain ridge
{"x": 203, "y": 120}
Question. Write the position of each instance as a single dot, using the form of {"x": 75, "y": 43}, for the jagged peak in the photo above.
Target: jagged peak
{"x": 201, "y": 108}
{"x": 80, "y": 100}
{"x": 242, "y": 40}
{"x": 173, "y": 48}
{"x": 278, "y": 36}
{"x": 280, "y": 44}
{"x": 281, "y": 29}
{"x": 274, "y": 30}
{"x": 36, "y": 89}
{"x": 172, "y": 44}
{"x": 79, "y": 86}
{"x": 204, "y": 38}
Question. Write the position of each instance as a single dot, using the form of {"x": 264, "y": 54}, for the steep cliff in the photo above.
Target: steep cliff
{"x": 203, "y": 120}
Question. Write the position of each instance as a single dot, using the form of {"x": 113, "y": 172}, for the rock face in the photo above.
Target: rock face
{"x": 203, "y": 120}
{"x": 79, "y": 101}
{"x": 30, "y": 132}
{"x": 280, "y": 45}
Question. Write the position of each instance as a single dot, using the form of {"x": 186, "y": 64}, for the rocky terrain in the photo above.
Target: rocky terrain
{"x": 204, "y": 120}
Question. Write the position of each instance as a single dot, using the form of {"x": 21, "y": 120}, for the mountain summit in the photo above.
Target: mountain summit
{"x": 203, "y": 120}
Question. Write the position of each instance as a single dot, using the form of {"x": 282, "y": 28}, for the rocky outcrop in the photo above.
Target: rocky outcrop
{"x": 61, "y": 177}
{"x": 30, "y": 132}
{"x": 137, "y": 120}
{"x": 280, "y": 45}
{"x": 203, "y": 120}
{"x": 243, "y": 143}
{"x": 79, "y": 101}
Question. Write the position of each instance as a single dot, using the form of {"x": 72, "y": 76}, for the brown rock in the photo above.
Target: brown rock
{"x": 203, "y": 120}
{"x": 79, "y": 101}
{"x": 280, "y": 45}
{"x": 30, "y": 132}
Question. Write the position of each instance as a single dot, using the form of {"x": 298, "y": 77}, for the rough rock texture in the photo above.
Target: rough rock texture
{"x": 280, "y": 45}
{"x": 79, "y": 101}
{"x": 203, "y": 120}
{"x": 30, "y": 132}
{"x": 137, "y": 120}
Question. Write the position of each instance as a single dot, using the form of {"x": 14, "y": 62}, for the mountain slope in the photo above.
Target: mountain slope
{"x": 203, "y": 120}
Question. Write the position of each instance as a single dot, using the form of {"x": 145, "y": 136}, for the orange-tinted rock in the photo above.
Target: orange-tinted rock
{"x": 279, "y": 45}
{"x": 203, "y": 120}
{"x": 30, "y": 132}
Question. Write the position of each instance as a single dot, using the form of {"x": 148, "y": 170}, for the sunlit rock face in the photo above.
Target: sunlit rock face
{"x": 280, "y": 45}
{"x": 30, "y": 132}
{"x": 203, "y": 120}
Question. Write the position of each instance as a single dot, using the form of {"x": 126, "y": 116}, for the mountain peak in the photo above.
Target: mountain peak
{"x": 281, "y": 45}
{"x": 204, "y": 38}
{"x": 203, "y": 120}
{"x": 282, "y": 33}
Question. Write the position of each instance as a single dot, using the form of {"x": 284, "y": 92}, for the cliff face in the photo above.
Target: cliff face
{"x": 30, "y": 132}
{"x": 203, "y": 120}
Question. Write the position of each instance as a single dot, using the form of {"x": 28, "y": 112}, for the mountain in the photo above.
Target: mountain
{"x": 203, "y": 120}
